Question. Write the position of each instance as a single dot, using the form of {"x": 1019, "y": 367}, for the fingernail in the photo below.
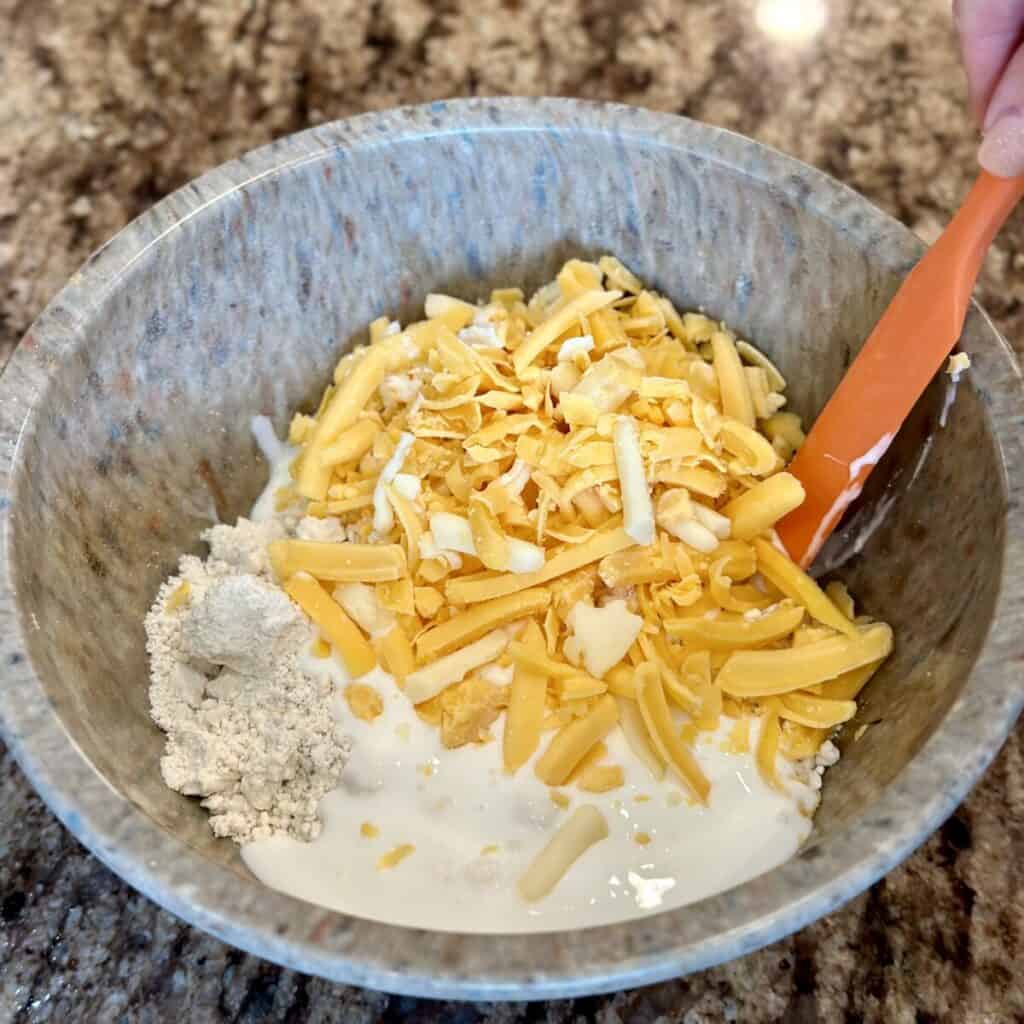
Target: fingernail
{"x": 1002, "y": 147}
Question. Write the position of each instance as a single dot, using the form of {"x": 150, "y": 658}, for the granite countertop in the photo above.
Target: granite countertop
{"x": 107, "y": 105}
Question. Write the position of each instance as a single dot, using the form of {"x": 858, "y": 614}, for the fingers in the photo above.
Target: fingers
{"x": 990, "y": 31}
{"x": 1002, "y": 148}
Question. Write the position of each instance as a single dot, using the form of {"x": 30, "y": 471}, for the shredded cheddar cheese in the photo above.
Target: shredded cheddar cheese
{"x": 581, "y": 489}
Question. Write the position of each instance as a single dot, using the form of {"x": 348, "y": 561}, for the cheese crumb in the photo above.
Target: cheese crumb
{"x": 399, "y": 389}
{"x": 575, "y": 346}
{"x": 180, "y": 597}
{"x": 394, "y": 857}
{"x": 827, "y": 755}
{"x": 480, "y": 336}
{"x": 602, "y": 636}
{"x": 468, "y": 710}
{"x": 364, "y": 701}
{"x": 958, "y": 362}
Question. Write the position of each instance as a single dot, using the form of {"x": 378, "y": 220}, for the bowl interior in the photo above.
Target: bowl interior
{"x": 142, "y": 437}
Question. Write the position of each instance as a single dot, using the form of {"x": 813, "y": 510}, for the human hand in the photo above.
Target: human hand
{"x": 992, "y": 42}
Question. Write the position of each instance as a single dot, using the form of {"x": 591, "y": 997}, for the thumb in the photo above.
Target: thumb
{"x": 989, "y": 32}
{"x": 1002, "y": 146}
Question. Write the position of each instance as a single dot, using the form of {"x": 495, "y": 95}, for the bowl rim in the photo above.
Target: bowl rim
{"x": 535, "y": 965}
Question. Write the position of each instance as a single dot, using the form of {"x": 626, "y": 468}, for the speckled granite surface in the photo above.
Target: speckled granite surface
{"x": 106, "y": 105}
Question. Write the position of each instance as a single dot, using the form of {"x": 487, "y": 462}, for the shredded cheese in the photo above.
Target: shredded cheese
{"x": 383, "y": 519}
{"x": 573, "y": 347}
{"x": 563, "y": 508}
{"x": 571, "y": 743}
{"x": 451, "y": 532}
{"x": 638, "y": 511}
{"x": 336, "y": 626}
{"x": 585, "y": 827}
{"x": 603, "y": 635}
{"x": 430, "y": 680}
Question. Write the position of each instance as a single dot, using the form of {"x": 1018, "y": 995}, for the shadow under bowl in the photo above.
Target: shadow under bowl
{"x": 124, "y": 422}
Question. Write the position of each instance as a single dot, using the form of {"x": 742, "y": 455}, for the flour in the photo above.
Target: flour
{"x": 243, "y": 547}
{"x": 247, "y": 730}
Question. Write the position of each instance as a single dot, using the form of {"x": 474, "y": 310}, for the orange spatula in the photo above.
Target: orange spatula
{"x": 905, "y": 350}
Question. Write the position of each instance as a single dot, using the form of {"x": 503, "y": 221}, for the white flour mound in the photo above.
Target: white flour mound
{"x": 247, "y": 729}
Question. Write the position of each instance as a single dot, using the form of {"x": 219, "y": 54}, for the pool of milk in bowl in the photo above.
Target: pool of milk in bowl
{"x": 475, "y": 829}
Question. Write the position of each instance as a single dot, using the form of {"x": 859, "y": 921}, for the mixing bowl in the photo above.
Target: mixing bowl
{"x": 125, "y": 431}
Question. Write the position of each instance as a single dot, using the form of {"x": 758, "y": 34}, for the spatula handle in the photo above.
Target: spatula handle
{"x": 990, "y": 201}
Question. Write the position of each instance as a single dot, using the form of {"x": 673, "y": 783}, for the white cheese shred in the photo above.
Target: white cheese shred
{"x": 383, "y": 517}
{"x": 638, "y": 510}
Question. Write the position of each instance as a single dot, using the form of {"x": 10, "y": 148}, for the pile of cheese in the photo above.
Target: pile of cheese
{"x": 563, "y": 509}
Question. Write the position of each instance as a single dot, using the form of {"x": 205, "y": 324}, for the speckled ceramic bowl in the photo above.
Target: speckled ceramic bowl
{"x": 124, "y": 418}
